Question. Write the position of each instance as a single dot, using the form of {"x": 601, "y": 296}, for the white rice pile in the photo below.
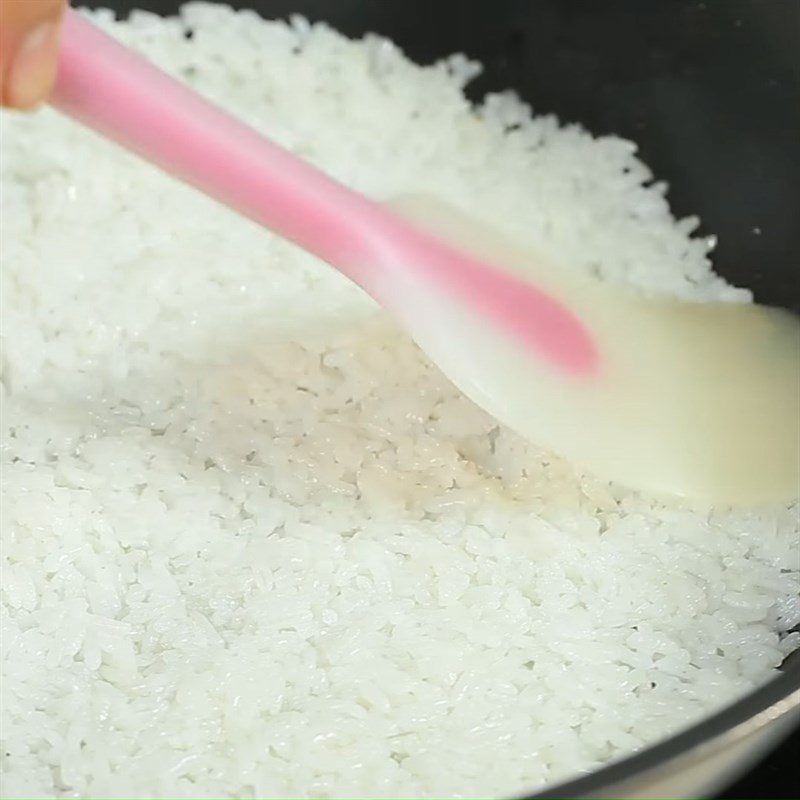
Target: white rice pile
{"x": 255, "y": 544}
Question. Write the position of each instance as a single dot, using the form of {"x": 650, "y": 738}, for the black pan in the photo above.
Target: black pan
{"x": 711, "y": 93}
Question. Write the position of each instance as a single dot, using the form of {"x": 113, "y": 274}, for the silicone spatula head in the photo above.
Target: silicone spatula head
{"x": 694, "y": 399}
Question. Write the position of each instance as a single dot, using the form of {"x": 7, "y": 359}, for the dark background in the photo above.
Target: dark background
{"x": 710, "y": 91}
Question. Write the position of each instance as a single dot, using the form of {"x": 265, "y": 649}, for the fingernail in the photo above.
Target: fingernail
{"x": 33, "y": 69}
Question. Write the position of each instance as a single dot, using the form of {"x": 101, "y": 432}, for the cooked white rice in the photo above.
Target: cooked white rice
{"x": 255, "y": 544}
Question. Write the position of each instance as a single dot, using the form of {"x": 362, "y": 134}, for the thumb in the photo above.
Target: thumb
{"x": 28, "y": 50}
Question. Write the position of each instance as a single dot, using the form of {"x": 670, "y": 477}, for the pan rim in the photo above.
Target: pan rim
{"x": 773, "y": 700}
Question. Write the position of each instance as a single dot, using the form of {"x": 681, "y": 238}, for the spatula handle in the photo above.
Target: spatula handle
{"x": 111, "y": 89}
{"x": 122, "y": 96}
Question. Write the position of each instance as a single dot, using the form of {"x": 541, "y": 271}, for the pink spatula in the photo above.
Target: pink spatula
{"x": 620, "y": 384}
{"x": 116, "y": 92}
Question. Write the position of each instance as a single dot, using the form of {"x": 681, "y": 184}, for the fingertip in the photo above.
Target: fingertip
{"x": 31, "y": 74}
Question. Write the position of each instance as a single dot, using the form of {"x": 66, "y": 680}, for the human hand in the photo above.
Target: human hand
{"x": 29, "y": 32}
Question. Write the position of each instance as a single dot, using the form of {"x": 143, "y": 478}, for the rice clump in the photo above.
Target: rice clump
{"x": 254, "y": 544}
